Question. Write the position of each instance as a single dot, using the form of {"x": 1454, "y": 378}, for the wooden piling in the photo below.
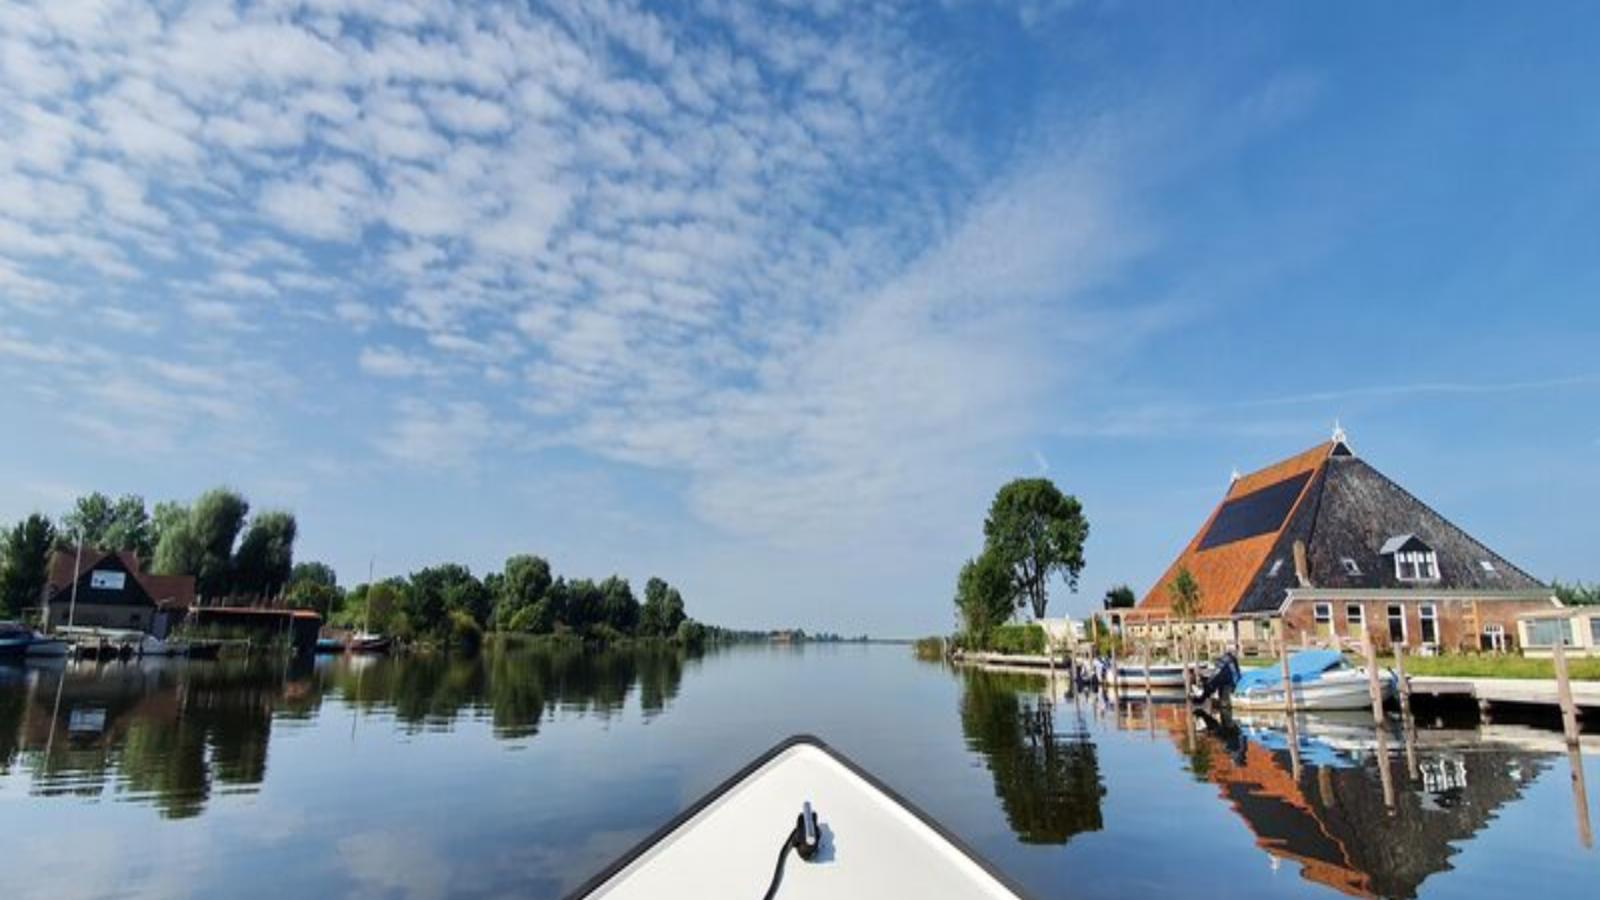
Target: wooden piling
{"x": 1569, "y": 712}
{"x": 1147, "y": 674}
{"x": 1580, "y": 795}
{"x": 1288, "y": 686}
{"x": 1373, "y": 686}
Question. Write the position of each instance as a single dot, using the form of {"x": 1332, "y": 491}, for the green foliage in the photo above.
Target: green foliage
{"x": 985, "y": 594}
{"x": 1120, "y": 597}
{"x": 24, "y": 562}
{"x": 928, "y": 649}
{"x": 465, "y": 632}
{"x": 692, "y": 634}
{"x": 265, "y": 560}
{"x": 178, "y": 550}
{"x": 1037, "y": 532}
{"x": 1021, "y": 639}
{"x": 1577, "y": 593}
{"x": 216, "y": 520}
{"x": 1185, "y": 594}
{"x": 619, "y": 609}
{"x": 105, "y": 524}
{"x": 319, "y": 573}
{"x": 662, "y": 612}
{"x": 525, "y": 582}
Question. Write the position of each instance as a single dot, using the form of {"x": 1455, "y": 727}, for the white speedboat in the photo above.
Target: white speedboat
{"x": 1131, "y": 676}
{"x": 800, "y": 822}
{"x": 1320, "y": 680}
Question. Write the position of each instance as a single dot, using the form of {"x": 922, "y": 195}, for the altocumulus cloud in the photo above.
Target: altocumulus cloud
{"x": 747, "y": 245}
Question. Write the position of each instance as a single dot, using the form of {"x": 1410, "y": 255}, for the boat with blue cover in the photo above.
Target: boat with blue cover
{"x": 1319, "y": 680}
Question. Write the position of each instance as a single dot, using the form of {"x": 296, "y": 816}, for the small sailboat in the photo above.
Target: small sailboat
{"x": 1320, "y": 680}
{"x": 853, "y": 837}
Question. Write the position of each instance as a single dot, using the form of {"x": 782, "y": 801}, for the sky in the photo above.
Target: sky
{"x": 768, "y": 300}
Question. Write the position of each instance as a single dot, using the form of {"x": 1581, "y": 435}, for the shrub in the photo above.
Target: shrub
{"x": 465, "y": 632}
{"x": 929, "y": 648}
{"x": 1024, "y": 639}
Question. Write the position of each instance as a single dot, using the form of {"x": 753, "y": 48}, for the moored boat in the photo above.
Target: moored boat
{"x": 1319, "y": 680}
{"x": 362, "y": 642}
{"x": 803, "y": 797}
{"x": 330, "y": 645}
{"x": 1131, "y": 676}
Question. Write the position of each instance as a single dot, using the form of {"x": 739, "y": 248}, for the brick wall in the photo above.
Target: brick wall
{"x": 1453, "y": 628}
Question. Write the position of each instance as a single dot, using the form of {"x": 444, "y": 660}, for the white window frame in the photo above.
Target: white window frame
{"x": 1405, "y": 627}
{"x": 1428, "y": 614}
{"x": 1359, "y": 620}
{"x": 1416, "y": 565}
{"x": 1322, "y": 614}
{"x": 1351, "y": 567}
{"x": 1277, "y": 566}
{"x": 1496, "y": 633}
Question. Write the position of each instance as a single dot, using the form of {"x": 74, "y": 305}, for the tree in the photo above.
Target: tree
{"x": 1184, "y": 592}
{"x": 130, "y": 529}
{"x": 1036, "y": 532}
{"x": 216, "y": 520}
{"x": 1576, "y": 593}
{"x": 985, "y": 594}
{"x": 314, "y": 573}
{"x": 265, "y": 561}
{"x": 526, "y": 580}
{"x": 438, "y": 589}
{"x": 662, "y": 612}
{"x": 618, "y": 608}
{"x": 24, "y": 563}
{"x": 89, "y": 520}
{"x": 1120, "y": 597}
{"x": 178, "y": 549}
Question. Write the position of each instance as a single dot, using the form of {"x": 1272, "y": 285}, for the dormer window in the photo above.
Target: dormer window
{"x": 1351, "y": 568}
{"x": 1277, "y": 566}
{"x": 1416, "y": 565}
{"x": 1413, "y": 559}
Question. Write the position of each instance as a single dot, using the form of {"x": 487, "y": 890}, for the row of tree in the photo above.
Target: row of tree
{"x": 1033, "y": 534}
{"x": 215, "y": 539}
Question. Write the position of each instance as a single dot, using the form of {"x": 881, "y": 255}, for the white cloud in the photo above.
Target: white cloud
{"x": 447, "y": 434}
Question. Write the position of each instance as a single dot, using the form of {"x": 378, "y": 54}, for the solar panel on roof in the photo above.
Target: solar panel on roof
{"x": 1258, "y": 512}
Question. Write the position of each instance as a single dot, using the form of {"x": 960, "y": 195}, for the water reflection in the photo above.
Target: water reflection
{"x": 1340, "y": 819}
{"x": 171, "y": 733}
{"x": 1045, "y": 768}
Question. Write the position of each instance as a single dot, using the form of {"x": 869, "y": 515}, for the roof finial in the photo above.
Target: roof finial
{"x": 1339, "y": 437}
{"x": 1235, "y": 476}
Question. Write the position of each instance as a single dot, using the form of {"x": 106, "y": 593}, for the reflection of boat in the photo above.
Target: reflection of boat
{"x": 329, "y": 645}
{"x": 14, "y": 640}
{"x": 362, "y": 642}
{"x": 725, "y": 844}
{"x": 1321, "y": 680}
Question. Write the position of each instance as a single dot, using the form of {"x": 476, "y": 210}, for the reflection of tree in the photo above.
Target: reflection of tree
{"x": 1048, "y": 783}
{"x": 13, "y": 709}
{"x": 660, "y": 673}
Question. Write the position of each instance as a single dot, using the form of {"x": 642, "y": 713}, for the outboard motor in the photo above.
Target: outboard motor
{"x": 1222, "y": 680}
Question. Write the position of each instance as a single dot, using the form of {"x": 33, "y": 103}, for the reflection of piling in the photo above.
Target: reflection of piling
{"x": 1408, "y": 729}
{"x": 1383, "y": 768}
{"x": 1569, "y": 712}
{"x": 1288, "y": 686}
{"x": 1580, "y": 795}
{"x": 1373, "y": 686}
{"x": 1147, "y": 673}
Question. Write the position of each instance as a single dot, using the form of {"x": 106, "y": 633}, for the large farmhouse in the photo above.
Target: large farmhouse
{"x": 1323, "y": 548}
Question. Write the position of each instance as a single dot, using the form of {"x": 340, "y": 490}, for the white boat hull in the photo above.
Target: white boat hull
{"x": 1344, "y": 689}
{"x": 1161, "y": 676}
{"x": 873, "y": 843}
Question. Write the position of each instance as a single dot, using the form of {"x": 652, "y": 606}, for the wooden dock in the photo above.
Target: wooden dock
{"x": 1525, "y": 691}
{"x": 1022, "y": 660}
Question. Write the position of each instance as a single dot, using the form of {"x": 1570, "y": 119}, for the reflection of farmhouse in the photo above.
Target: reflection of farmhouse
{"x": 1322, "y": 546}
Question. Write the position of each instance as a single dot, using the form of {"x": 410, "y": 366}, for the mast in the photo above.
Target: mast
{"x": 77, "y": 567}
{"x": 366, "y": 619}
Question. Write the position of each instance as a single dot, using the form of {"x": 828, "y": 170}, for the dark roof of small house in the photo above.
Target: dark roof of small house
{"x": 59, "y": 590}
{"x": 167, "y": 590}
{"x": 1351, "y": 513}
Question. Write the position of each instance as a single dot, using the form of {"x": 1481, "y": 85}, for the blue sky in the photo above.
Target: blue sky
{"x": 769, "y": 300}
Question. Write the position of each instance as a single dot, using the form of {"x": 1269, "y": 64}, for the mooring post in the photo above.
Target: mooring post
{"x": 1373, "y": 686}
{"x": 1288, "y": 686}
{"x": 1580, "y": 796}
{"x": 1569, "y": 713}
{"x": 1147, "y": 674}
{"x": 1407, "y": 726}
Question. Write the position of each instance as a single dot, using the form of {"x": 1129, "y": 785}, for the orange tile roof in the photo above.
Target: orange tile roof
{"x": 1224, "y": 572}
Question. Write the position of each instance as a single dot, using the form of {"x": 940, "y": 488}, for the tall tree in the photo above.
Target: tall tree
{"x": 526, "y": 580}
{"x": 179, "y": 550}
{"x": 130, "y": 529}
{"x": 619, "y": 608}
{"x": 662, "y": 611}
{"x": 1037, "y": 532}
{"x": 90, "y": 519}
{"x": 314, "y": 572}
{"x": 217, "y": 518}
{"x": 1120, "y": 597}
{"x": 265, "y": 560}
{"x": 985, "y": 594}
{"x": 24, "y": 563}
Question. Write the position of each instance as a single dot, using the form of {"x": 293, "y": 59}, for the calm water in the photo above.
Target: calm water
{"x": 519, "y": 774}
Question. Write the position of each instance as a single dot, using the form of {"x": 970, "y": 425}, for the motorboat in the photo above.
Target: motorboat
{"x": 849, "y": 834}
{"x": 1133, "y": 676}
{"x": 330, "y": 645}
{"x": 1319, "y": 680}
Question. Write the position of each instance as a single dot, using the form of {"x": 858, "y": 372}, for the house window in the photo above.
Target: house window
{"x": 1494, "y": 637}
{"x": 1488, "y": 567}
{"x": 1594, "y": 631}
{"x": 1397, "y": 623}
{"x": 1277, "y": 566}
{"x": 1354, "y": 617}
{"x": 1323, "y": 614}
{"x": 1350, "y": 567}
{"x": 1416, "y": 565}
{"x": 1542, "y": 632}
{"x": 1429, "y": 616}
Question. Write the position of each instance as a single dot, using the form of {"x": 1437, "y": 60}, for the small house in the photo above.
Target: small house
{"x": 113, "y": 591}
